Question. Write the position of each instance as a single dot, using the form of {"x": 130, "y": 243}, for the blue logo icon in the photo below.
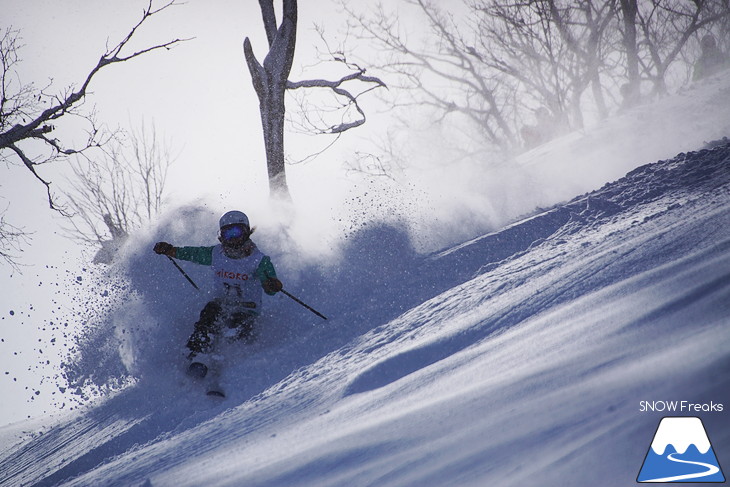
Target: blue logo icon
{"x": 680, "y": 452}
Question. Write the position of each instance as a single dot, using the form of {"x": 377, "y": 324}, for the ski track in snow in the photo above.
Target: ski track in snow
{"x": 517, "y": 356}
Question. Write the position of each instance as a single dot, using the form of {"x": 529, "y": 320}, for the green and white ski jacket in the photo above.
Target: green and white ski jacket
{"x": 238, "y": 279}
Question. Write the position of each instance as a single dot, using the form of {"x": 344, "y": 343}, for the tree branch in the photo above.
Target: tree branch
{"x": 38, "y": 127}
{"x": 336, "y": 87}
{"x": 30, "y": 165}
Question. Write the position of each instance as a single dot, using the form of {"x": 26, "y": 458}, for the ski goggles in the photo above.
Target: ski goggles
{"x": 237, "y": 230}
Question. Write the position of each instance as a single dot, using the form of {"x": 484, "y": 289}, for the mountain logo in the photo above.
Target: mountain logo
{"x": 680, "y": 452}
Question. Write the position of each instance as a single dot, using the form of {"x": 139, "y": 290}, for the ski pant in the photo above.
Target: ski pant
{"x": 234, "y": 321}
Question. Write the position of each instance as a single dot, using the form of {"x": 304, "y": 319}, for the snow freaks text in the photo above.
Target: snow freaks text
{"x": 680, "y": 407}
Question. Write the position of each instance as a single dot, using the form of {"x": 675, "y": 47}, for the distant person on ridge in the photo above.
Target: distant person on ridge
{"x": 711, "y": 61}
{"x": 240, "y": 272}
{"x": 544, "y": 130}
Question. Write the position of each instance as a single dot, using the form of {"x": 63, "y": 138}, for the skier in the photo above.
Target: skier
{"x": 711, "y": 61}
{"x": 240, "y": 272}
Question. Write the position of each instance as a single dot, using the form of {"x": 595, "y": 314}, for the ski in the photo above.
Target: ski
{"x": 214, "y": 388}
{"x": 209, "y": 374}
{"x": 197, "y": 370}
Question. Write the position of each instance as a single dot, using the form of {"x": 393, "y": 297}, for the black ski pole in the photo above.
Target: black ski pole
{"x": 183, "y": 272}
{"x": 305, "y": 305}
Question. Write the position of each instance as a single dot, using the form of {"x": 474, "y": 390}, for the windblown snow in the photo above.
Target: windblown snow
{"x": 517, "y": 358}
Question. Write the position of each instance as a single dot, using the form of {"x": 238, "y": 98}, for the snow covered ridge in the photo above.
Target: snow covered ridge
{"x": 515, "y": 359}
{"x": 676, "y": 180}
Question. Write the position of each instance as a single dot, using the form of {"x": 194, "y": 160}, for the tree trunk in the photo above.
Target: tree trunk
{"x": 272, "y": 121}
{"x": 269, "y": 80}
{"x": 632, "y": 93}
{"x": 595, "y": 81}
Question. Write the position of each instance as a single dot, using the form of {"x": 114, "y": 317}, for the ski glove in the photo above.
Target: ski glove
{"x": 164, "y": 248}
{"x": 272, "y": 285}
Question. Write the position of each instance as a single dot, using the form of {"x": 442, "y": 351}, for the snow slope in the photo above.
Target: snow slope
{"x": 518, "y": 358}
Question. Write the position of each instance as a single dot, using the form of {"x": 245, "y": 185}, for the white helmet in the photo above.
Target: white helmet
{"x": 233, "y": 217}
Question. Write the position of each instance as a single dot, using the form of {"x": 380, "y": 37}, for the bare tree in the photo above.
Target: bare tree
{"x": 447, "y": 73}
{"x": 498, "y": 63}
{"x": 666, "y": 27}
{"x": 271, "y": 80}
{"x": 520, "y": 41}
{"x": 502, "y": 62}
{"x": 552, "y": 52}
{"x": 120, "y": 192}
{"x": 582, "y": 25}
{"x": 27, "y": 113}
